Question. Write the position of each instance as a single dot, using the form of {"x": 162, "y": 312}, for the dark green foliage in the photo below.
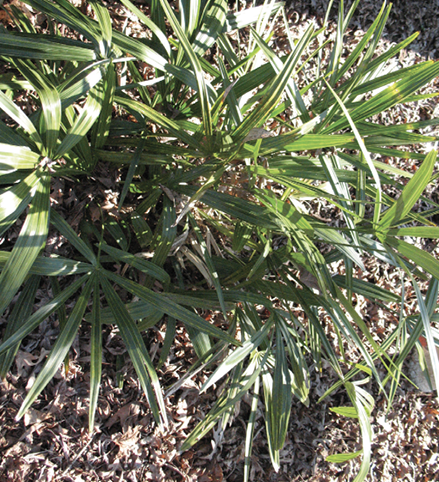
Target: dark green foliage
{"x": 193, "y": 151}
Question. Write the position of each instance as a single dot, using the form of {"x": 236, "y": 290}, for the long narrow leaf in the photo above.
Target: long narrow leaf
{"x": 199, "y": 74}
{"x": 17, "y": 157}
{"x": 138, "y": 353}
{"x": 137, "y": 262}
{"x": 238, "y": 355}
{"x": 365, "y": 154}
{"x": 21, "y": 311}
{"x": 66, "y": 230}
{"x": 410, "y": 193}
{"x": 95, "y": 355}
{"x": 41, "y": 314}
{"x": 50, "y": 103}
{"x": 45, "y": 47}
{"x": 213, "y": 23}
{"x": 262, "y": 111}
{"x": 59, "y": 350}
{"x": 166, "y": 305}
{"x": 84, "y": 122}
{"x": 31, "y": 240}
{"x": 366, "y": 429}
{"x": 21, "y": 118}
{"x": 161, "y": 37}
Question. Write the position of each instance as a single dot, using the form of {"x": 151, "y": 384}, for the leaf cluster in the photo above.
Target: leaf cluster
{"x": 201, "y": 160}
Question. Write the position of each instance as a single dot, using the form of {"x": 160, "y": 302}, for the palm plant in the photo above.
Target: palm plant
{"x": 194, "y": 147}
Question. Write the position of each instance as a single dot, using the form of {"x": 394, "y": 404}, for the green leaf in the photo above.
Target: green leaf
{"x": 52, "y": 266}
{"x": 104, "y": 20}
{"x": 67, "y": 231}
{"x": 425, "y": 316}
{"x": 154, "y": 116}
{"x": 50, "y": 103}
{"x": 229, "y": 96}
{"x": 80, "y": 82}
{"x": 10, "y": 136}
{"x": 189, "y": 15}
{"x": 292, "y": 89}
{"x": 17, "y": 157}
{"x": 365, "y": 153}
{"x": 59, "y": 350}
{"x": 102, "y": 126}
{"x": 45, "y": 47}
{"x": 31, "y": 240}
{"x": 167, "y": 342}
{"x": 392, "y": 95}
{"x": 84, "y": 121}
{"x": 195, "y": 64}
{"x": 264, "y": 108}
{"x": 139, "y": 311}
{"x": 14, "y": 200}
{"x": 21, "y": 119}
{"x": 363, "y": 402}
{"x": 278, "y": 406}
{"x": 290, "y": 217}
{"x": 241, "y": 236}
{"x": 161, "y": 37}
{"x": 384, "y": 57}
{"x": 295, "y": 142}
{"x": 213, "y": 274}
{"x": 297, "y": 227}
{"x": 138, "y": 353}
{"x": 95, "y": 355}
{"x": 299, "y": 383}
{"x": 341, "y": 458}
{"x": 131, "y": 171}
{"x": 410, "y": 193}
{"x": 224, "y": 403}
{"x": 137, "y": 262}
{"x": 213, "y": 23}
{"x": 41, "y": 314}
{"x": 139, "y": 50}
{"x": 238, "y": 355}
{"x": 236, "y": 207}
{"x": 350, "y": 412}
{"x": 165, "y": 304}
{"x": 416, "y": 232}
{"x": 243, "y": 18}
{"x": 368, "y": 290}
{"x": 356, "y": 53}
{"x": 417, "y": 327}
{"x": 250, "y": 429}
{"x": 166, "y": 232}
{"x": 420, "y": 257}
{"x": 21, "y": 311}
{"x": 339, "y": 317}
{"x": 141, "y": 230}
{"x": 116, "y": 231}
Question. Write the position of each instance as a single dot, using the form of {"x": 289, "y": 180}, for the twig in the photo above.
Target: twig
{"x": 77, "y": 457}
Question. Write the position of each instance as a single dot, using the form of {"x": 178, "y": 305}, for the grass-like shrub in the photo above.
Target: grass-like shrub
{"x": 216, "y": 155}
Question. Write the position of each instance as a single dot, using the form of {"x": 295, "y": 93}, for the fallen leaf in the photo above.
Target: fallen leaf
{"x": 257, "y": 133}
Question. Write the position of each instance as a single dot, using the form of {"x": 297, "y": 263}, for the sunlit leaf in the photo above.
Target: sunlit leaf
{"x": 31, "y": 240}
{"x": 410, "y": 193}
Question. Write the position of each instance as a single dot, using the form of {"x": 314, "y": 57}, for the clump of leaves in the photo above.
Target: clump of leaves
{"x": 196, "y": 147}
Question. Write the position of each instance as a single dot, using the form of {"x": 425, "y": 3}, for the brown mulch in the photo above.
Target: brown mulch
{"x": 52, "y": 443}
